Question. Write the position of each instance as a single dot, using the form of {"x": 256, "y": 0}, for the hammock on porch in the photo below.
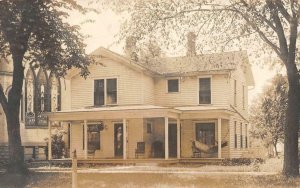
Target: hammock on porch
{"x": 207, "y": 148}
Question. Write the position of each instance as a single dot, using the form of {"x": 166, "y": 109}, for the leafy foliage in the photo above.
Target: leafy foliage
{"x": 35, "y": 32}
{"x": 260, "y": 25}
{"x": 57, "y": 145}
{"x": 39, "y": 29}
{"x": 268, "y": 113}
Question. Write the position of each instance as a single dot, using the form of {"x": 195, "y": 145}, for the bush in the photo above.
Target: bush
{"x": 241, "y": 161}
{"x": 57, "y": 145}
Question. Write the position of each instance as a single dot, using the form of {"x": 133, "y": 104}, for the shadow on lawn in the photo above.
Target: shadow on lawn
{"x": 12, "y": 180}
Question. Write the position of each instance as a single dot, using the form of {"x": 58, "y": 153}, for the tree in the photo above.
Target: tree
{"x": 268, "y": 113}
{"x": 35, "y": 33}
{"x": 270, "y": 25}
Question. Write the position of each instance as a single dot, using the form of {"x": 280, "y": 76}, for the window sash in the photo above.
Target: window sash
{"x": 173, "y": 85}
{"x": 111, "y": 91}
{"x": 99, "y": 92}
{"x": 204, "y": 91}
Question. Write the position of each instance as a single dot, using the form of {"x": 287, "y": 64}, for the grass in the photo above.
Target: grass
{"x": 132, "y": 180}
{"x": 205, "y": 176}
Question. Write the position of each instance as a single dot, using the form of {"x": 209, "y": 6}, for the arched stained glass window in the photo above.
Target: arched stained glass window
{"x": 42, "y": 103}
{"x": 55, "y": 93}
{"x": 29, "y": 92}
{"x": 29, "y": 98}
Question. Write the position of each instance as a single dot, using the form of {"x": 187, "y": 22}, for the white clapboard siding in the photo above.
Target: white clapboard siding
{"x": 148, "y": 89}
{"x": 132, "y": 88}
{"x": 239, "y": 151}
{"x": 135, "y": 134}
{"x": 240, "y": 77}
{"x": 189, "y": 91}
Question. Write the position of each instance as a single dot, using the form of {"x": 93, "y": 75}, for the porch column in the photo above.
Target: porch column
{"x": 166, "y": 138}
{"x": 124, "y": 139}
{"x": 178, "y": 139}
{"x": 70, "y": 144}
{"x": 85, "y": 139}
{"x": 49, "y": 142}
{"x": 219, "y": 138}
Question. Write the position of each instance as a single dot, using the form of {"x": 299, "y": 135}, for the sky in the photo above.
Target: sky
{"x": 103, "y": 32}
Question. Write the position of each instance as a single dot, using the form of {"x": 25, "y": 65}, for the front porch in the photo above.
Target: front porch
{"x": 137, "y": 134}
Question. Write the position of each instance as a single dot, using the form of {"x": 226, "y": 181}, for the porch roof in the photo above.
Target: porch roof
{"x": 114, "y": 112}
{"x": 142, "y": 111}
{"x": 205, "y": 111}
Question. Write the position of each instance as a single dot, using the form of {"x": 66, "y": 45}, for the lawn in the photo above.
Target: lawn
{"x": 266, "y": 175}
{"x": 132, "y": 180}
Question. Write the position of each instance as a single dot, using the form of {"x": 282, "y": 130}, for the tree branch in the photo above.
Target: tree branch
{"x": 3, "y": 100}
{"x": 282, "y": 10}
{"x": 279, "y": 31}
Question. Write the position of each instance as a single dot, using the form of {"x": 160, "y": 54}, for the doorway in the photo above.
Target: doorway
{"x": 118, "y": 139}
{"x": 172, "y": 140}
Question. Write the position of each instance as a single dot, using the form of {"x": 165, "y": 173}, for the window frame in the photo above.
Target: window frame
{"x": 151, "y": 127}
{"x": 241, "y": 136}
{"x": 105, "y": 91}
{"x": 235, "y": 92}
{"x": 235, "y": 135}
{"x": 167, "y": 85}
{"x": 198, "y": 82}
{"x": 205, "y": 122}
{"x": 244, "y": 96}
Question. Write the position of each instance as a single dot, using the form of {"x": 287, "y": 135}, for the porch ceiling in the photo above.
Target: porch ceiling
{"x": 114, "y": 112}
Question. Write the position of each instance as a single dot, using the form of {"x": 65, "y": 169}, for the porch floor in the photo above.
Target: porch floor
{"x": 159, "y": 161}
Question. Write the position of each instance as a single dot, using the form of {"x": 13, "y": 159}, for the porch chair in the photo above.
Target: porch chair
{"x": 140, "y": 149}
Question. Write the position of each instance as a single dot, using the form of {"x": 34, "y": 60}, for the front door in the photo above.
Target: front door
{"x": 118, "y": 139}
{"x": 172, "y": 140}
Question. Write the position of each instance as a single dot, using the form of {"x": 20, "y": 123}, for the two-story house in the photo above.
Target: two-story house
{"x": 171, "y": 107}
{"x": 167, "y": 107}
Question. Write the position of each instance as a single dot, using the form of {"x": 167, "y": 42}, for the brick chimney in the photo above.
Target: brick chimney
{"x": 191, "y": 44}
{"x": 130, "y": 46}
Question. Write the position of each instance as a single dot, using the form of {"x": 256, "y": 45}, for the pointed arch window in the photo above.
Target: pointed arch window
{"x": 55, "y": 93}
{"x": 42, "y": 103}
{"x": 29, "y": 98}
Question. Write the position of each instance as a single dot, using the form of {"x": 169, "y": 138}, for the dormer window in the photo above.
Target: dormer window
{"x": 173, "y": 85}
{"x": 204, "y": 91}
{"x": 105, "y": 92}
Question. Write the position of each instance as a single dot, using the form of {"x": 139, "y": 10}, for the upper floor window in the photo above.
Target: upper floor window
{"x": 173, "y": 85}
{"x": 105, "y": 91}
{"x": 204, "y": 91}
{"x": 244, "y": 97}
{"x": 235, "y": 92}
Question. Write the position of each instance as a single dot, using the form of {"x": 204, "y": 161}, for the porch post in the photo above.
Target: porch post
{"x": 166, "y": 138}
{"x": 124, "y": 139}
{"x": 85, "y": 140}
{"x": 178, "y": 139}
{"x": 49, "y": 142}
{"x": 71, "y": 145}
{"x": 219, "y": 138}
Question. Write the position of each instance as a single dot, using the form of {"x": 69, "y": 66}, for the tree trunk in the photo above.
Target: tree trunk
{"x": 16, "y": 152}
{"x": 275, "y": 148}
{"x": 291, "y": 163}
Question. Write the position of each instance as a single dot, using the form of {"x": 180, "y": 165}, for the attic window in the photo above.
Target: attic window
{"x": 173, "y": 85}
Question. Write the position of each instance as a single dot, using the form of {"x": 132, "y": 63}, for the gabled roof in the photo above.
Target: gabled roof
{"x": 170, "y": 66}
{"x": 198, "y": 63}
